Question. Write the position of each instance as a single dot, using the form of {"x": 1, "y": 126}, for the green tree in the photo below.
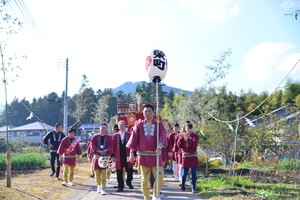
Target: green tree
{"x": 84, "y": 102}
{"x": 148, "y": 92}
{"x": 275, "y": 100}
{"x": 178, "y": 103}
{"x": 291, "y": 91}
{"x": 273, "y": 136}
{"x": 167, "y": 111}
{"x": 128, "y": 98}
{"x": 121, "y": 96}
{"x": 142, "y": 91}
{"x": 218, "y": 140}
{"x": 49, "y": 108}
{"x": 18, "y": 113}
{"x": 297, "y": 100}
{"x": 112, "y": 102}
{"x": 101, "y": 115}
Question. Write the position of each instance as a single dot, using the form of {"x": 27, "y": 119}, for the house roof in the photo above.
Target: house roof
{"x": 3, "y": 128}
{"x": 282, "y": 112}
{"x": 89, "y": 126}
{"x": 33, "y": 126}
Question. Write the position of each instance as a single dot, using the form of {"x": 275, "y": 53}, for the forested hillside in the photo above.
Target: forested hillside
{"x": 195, "y": 107}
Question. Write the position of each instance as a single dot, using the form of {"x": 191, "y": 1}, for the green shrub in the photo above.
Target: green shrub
{"x": 19, "y": 147}
{"x": 240, "y": 181}
{"x": 202, "y": 162}
{"x": 24, "y": 161}
{"x": 268, "y": 165}
{"x": 215, "y": 163}
{"x": 289, "y": 164}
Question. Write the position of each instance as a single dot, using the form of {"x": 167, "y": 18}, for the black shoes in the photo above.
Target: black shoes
{"x": 52, "y": 174}
{"x": 120, "y": 190}
{"x": 130, "y": 186}
{"x": 92, "y": 176}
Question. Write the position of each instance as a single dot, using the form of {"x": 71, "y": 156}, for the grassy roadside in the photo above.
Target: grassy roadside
{"x": 242, "y": 187}
{"x": 39, "y": 185}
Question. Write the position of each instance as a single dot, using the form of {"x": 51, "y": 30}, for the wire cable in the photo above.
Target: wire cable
{"x": 223, "y": 121}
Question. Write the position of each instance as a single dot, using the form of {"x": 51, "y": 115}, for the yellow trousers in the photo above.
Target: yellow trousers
{"x": 68, "y": 172}
{"x": 108, "y": 174}
{"x": 101, "y": 177}
{"x": 92, "y": 171}
{"x": 145, "y": 182}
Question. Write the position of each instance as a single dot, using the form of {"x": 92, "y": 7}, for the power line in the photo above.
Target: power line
{"x": 42, "y": 120}
{"x": 223, "y": 121}
{"x": 25, "y": 12}
{"x": 269, "y": 141}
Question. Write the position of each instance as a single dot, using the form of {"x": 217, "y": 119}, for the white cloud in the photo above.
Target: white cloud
{"x": 215, "y": 11}
{"x": 290, "y": 62}
{"x": 264, "y": 60}
{"x": 290, "y": 4}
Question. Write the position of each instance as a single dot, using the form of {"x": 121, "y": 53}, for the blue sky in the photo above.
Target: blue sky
{"x": 110, "y": 40}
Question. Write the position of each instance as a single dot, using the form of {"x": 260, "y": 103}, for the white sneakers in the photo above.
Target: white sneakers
{"x": 99, "y": 189}
{"x": 108, "y": 181}
{"x": 71, "y": 183}
{"x": 188, "y": 183}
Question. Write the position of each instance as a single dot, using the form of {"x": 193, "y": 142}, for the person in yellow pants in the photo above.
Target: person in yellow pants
{"x": 143, "y": 139}
{"x": 102, "y": 146}
{"x": 68, "y": 173}
{"x": 101, "y": 177}
{"x": 145, "y": 183}
{"x": 67, "y": 150}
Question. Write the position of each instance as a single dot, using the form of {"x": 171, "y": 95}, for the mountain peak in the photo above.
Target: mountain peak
{"x": 129, "y": 87}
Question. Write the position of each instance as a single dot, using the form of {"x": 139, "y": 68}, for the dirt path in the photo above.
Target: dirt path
{"x": 171, "y": 191}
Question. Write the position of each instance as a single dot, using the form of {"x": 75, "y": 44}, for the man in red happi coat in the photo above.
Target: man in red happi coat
{"x": 143, "y": 140}
{"x": 122, "y": 152}
{"x": 67, "y": 150}
{"x": 102, "y": 145}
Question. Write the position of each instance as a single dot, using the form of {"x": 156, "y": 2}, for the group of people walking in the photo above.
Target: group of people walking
{"x": 126, "y": 148}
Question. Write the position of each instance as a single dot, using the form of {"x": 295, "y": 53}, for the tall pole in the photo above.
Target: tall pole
{"x": 8, "y": 158}
{"x": 235, "y": 137}
{"x": 65, "y": 129}
{"x": 157, "y": 138}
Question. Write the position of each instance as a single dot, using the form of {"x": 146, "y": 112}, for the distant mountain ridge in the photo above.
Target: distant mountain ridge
{"x": 129, "y": 87}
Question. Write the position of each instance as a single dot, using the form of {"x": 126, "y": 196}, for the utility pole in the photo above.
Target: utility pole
{"x": 65, "y": 129}
{"x": 234, "y": 143}
{"x": 8, "y": 150}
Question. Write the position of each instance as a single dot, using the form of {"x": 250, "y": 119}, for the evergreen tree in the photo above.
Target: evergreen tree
{"x": 291, "y": 91}
{"x": 84, "y": 102}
